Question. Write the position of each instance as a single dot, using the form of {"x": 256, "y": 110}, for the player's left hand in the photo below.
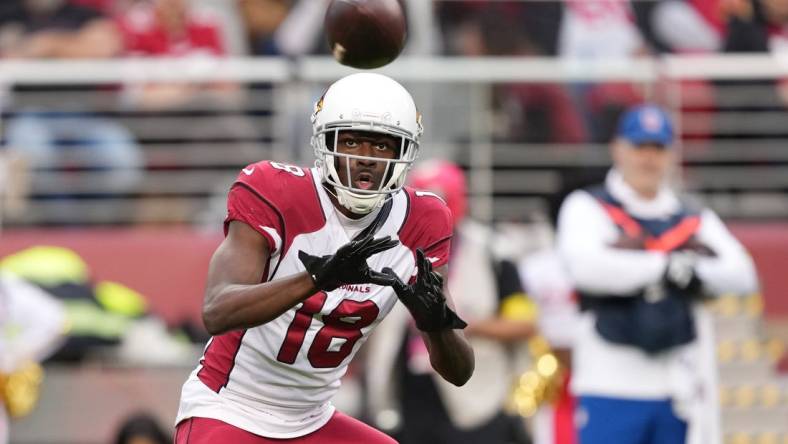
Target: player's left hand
{"x": 348, "y": 265}
{"x": 424, "y": 298}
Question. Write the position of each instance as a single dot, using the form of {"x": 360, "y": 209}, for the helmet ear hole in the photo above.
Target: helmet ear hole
{"x": 330, "y": 135}
{"x": 400, "y": 146}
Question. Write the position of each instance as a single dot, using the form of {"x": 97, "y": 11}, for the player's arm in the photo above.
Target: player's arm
{"x": 428, "y": 301}
{"x": 235, "y": 299}
{"x": 584, "y": 238}
{"x": 450, "y": 353}
{"x": 730, "y": 268}
{"x": 234, "y": 296}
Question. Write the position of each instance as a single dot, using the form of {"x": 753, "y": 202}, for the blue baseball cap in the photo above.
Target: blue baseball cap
{"x": 644, "y": 124}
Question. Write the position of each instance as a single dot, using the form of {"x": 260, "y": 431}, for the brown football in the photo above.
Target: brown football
{"x": 365, "y": 34}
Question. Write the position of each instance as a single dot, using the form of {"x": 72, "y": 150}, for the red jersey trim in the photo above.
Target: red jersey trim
{"x": 240, "y": 218}
{"x": 219, "y": 360}
{"x": 437, "y": 242}
{"x": 281, "y": 222}
{"x": 315, "y": 179}
{"x": 407, "y": 212}
{"x": 285, "y": 190}
{"x": 427, "y": 225}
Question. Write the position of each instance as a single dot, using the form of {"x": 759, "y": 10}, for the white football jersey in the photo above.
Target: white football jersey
{"x": 277, "y": 379}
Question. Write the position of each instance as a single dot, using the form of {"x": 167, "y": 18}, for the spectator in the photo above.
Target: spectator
{"x": 600, "y": 30}
{"x": 300, "y": 33}
{"x": 756, "y": 26}
{"x": 173, "y": 29}
{"x": 170, "y": 28}
{"x": 527, "y": 112}
{"x": 539, "y": 113}
{"x": 679, "y": 26}
{"x": 507, "y": 25}
{"x": 36, "y": 29}
{"x": 261, "y": 20}
{"x": 641, "y": 259}
{"x": 178, "y": 29}
{"x": 487, "y": 293}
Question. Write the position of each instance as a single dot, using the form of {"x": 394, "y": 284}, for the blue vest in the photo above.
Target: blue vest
{"x": 651, "y": 322}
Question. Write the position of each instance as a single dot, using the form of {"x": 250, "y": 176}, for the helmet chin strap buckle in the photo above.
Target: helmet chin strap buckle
{"x": 359, "y": 205}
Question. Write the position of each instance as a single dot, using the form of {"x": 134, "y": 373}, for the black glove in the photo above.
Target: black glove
{"x": 680, "y": 273}
{"x": 424, "y": 298}
{"x": 349, "y": 264}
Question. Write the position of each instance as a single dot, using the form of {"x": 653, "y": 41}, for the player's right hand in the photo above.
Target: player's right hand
{"x": 348, "y": 265}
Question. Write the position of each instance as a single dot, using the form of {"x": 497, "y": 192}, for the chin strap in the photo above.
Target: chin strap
{"x": 342, "y": 197}
{"x": 380, "y": 219}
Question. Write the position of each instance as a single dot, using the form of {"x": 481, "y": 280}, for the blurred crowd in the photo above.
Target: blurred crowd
{"x": 74, "y": 135}
{"x": 585, "y": 29}
{"x": 597, "y": 29}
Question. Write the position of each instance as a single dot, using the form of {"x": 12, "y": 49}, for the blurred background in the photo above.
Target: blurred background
{"x": 124, "y": 123}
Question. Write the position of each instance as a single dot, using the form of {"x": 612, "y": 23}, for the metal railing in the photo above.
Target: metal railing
{"x": 732, "y": 148}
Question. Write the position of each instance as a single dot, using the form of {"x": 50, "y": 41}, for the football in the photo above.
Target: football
{"x": 365, "y": 34}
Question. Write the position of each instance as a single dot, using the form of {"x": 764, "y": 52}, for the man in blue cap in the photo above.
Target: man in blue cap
{"x": 640, "y": 258}
{"x": 642, "y": 151}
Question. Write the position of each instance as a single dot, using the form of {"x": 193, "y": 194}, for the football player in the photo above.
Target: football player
{"x": 312, "y": 261}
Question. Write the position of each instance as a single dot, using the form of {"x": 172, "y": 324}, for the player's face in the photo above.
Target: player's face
{"x": 644, "y": 167}
{"x": 365, "y": 174}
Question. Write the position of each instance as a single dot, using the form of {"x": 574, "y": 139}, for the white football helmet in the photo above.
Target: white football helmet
{"x": 365, "y": 102}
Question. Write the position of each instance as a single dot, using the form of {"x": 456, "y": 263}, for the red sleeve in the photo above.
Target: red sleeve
{"x": 428, "y": 226}
{"x": 247, "y": 205}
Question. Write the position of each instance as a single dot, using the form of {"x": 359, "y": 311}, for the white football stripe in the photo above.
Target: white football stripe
{"x": 277, "y": 239}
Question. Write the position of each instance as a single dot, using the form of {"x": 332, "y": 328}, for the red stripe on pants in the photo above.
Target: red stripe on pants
{"x": 564, "y": 415}
{"x": 219, "y": 359}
